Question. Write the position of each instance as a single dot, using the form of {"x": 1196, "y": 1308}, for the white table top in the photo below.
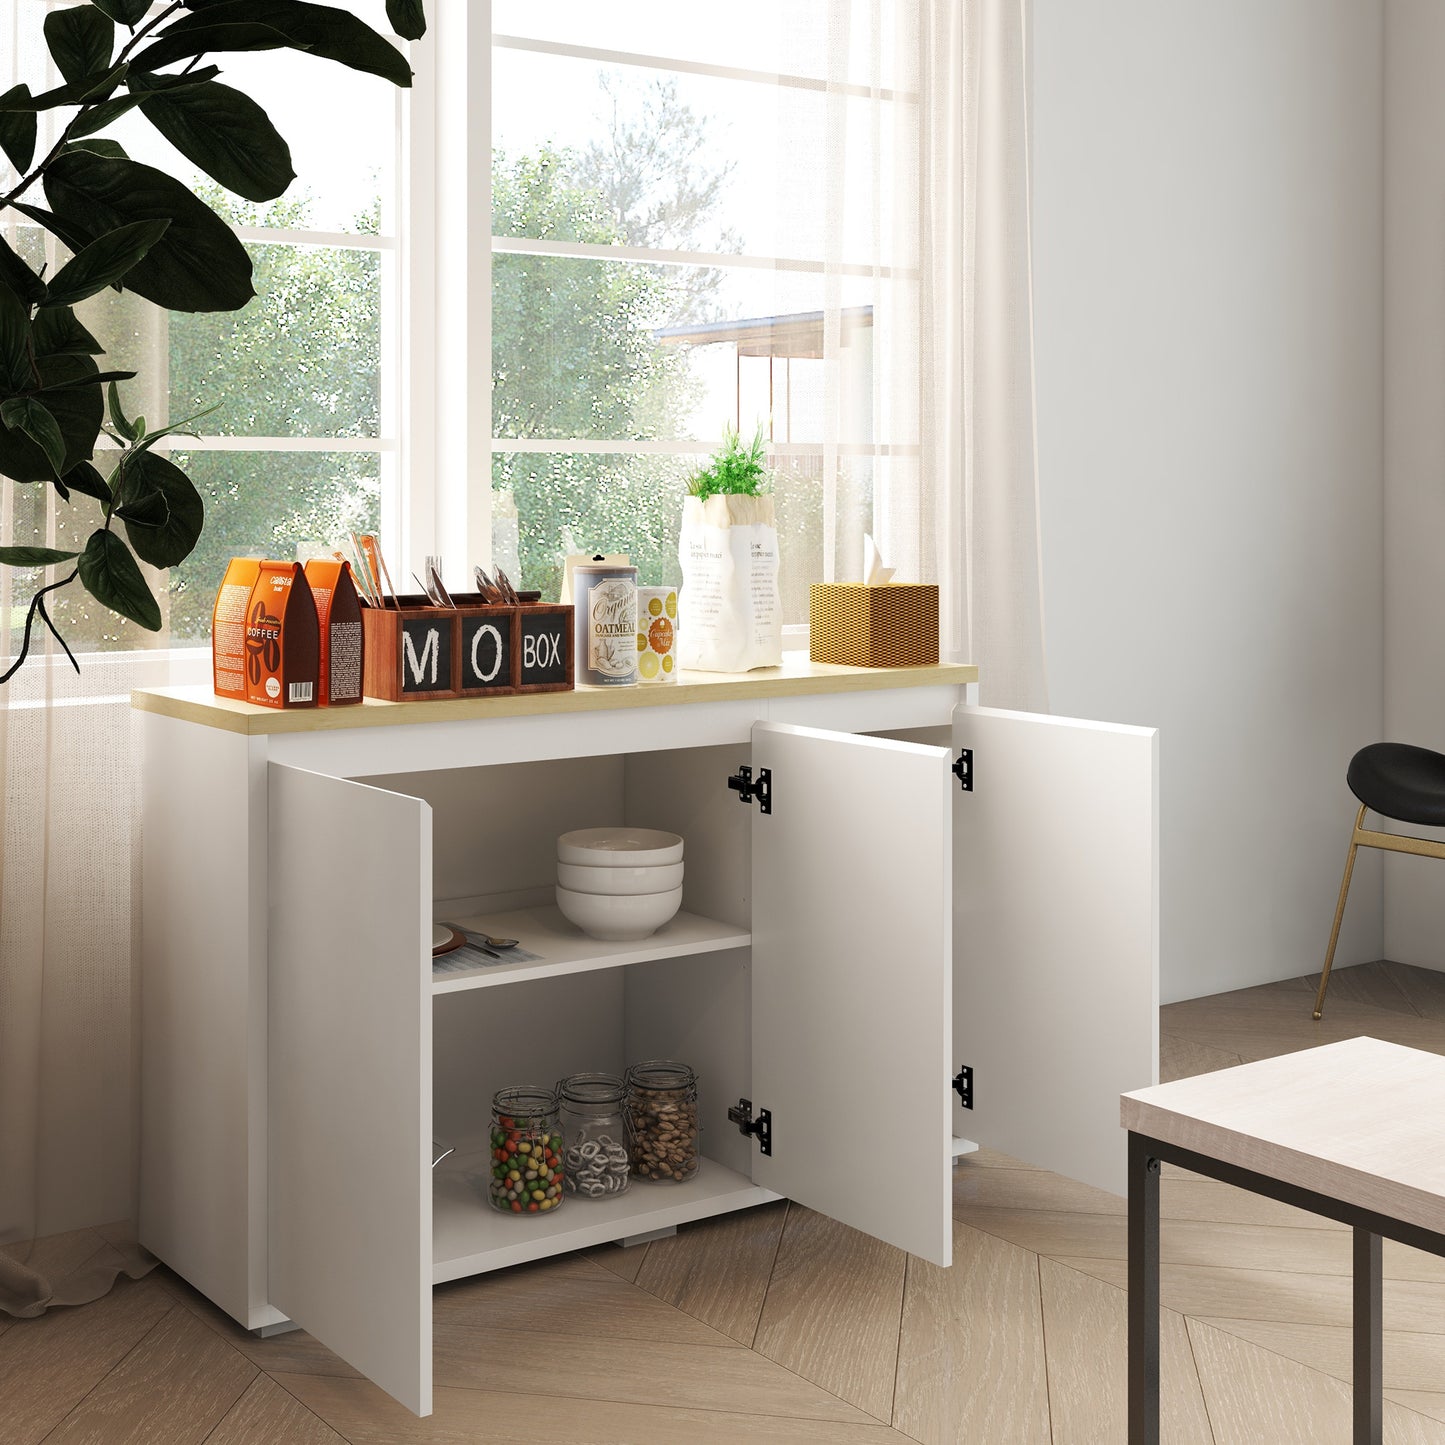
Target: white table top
{"x": 1361, "y": 1121}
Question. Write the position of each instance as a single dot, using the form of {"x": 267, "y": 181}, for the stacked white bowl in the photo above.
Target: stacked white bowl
{"x": 619, "y": 884}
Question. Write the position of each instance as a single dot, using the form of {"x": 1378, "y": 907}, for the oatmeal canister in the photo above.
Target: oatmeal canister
{"x": 606, "y": 623}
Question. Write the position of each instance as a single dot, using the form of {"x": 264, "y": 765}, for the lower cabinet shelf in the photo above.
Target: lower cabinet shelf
{"x": 470, "y": 1237}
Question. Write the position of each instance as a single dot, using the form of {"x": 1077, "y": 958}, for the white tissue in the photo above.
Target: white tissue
{"x": 875, "y": 574}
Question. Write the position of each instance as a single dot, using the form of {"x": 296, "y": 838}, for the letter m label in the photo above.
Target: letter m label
{"x": 423, "y": 669}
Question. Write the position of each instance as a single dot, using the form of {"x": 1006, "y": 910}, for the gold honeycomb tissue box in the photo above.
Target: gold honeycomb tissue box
{"x": 858, "y": 625}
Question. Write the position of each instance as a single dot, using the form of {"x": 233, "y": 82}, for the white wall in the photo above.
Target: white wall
{"x": 1207, "y": 247}
{"x": 1415, "y": 439}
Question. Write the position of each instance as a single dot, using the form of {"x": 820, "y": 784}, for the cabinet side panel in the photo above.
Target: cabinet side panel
{"x": 202, "y": 974}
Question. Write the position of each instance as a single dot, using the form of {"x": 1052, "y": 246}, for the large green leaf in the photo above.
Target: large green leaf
{"x": 227, "y": 135}
{"x": 321, "y": 30}
{"x": 33, "y": 556}
{"x": 124, "y": 12}
{"x": 145, "y": 475}
{"x": 118, "y": 419}
{"x": 97, "y": 117}
{"x": 99, "y": 378}
{"x": 99, "y": 145}
{"x": 17, "y": 128}
{"x": 198, "y": 265}
{"x": 25, "y": 414}
{"x": 74, "y": 236}
{"x": 83, "y": 477}
{"x": 80, "y": 41}
{"x": 106, "y": 259}
{"x": 109, "y": 573}
{"x": 407, "y": 18}
{"x": 58, "y": 333}
{"x": 15, "y": 274}
{"x": 15, "y": 368}
{"x": 79, "y": 412}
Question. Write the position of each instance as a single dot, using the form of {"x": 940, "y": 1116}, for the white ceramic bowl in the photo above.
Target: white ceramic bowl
{"x": 623, "y": 918}
{"x": 619, "y": 847}
{"x": 584, "y": 878}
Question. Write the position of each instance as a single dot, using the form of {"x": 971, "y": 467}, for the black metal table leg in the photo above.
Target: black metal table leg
{"x": 1144, "y": 1293}
{"x": 1369, "y": 1377}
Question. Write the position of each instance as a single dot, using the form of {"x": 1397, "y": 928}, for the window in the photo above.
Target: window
{"x": 300, "y": 391}
{"x": 693, "y": 226}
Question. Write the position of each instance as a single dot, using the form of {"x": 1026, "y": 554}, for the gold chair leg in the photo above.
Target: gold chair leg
{"x": 1339, "y": 912}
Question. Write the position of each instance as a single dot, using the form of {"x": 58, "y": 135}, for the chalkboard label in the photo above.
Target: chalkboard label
{"x": 486, "y": 653}
{"x": 544, "y": 647}
{"x": 426, "y": 654}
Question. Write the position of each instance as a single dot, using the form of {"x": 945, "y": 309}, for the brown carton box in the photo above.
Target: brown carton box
{"x": 283, "y": 641}
{"x": 342, "y": 639}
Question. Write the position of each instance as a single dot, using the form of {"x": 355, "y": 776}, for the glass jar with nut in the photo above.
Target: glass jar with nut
{"x": 662, "y": 1124}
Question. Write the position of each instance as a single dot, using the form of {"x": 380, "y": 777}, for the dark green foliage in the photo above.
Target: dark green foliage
{"x": 17, "y": 127}
{"x": 136, "y": 229}
{"x": 80, "y": 41}
{"x": 198, "y": 265}
{"x": 226, "y": 134}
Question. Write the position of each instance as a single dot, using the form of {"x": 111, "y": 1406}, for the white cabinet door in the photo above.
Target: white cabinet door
{"x": 349, "y": 1076}
{"x": 852, "y": 964}
{"x": 1056, "y": 932}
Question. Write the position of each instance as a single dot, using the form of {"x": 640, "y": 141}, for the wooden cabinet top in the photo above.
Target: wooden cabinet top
{"x": 799, "y": 676}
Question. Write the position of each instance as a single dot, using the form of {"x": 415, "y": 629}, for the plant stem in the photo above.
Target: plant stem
{"x": 60, "y": 145}
{"x": 37, "y": 604}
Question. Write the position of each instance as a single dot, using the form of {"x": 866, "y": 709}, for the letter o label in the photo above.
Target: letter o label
{"x": 486, "y": 630}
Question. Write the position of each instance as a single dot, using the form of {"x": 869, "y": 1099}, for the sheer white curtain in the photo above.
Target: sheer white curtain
{"x": 70, "y": 821}
{"x": 955, "y": 494}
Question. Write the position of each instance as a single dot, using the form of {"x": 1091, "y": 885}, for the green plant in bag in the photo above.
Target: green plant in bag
{"x": 133, "y": 227}
{"x": 734, "y": 469}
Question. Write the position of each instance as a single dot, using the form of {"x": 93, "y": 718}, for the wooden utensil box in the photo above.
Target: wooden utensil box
{"x": 421, "y": 653}
{"x": 895, "y": 625}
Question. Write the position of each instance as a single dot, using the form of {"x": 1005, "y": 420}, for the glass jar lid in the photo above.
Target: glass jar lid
{"x": 524, "y": 1101}
{"x": 591, "y": 1089}
{"x": 660, "y": 1074}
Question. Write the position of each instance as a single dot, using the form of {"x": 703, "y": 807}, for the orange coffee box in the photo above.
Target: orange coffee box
{"x": 228, "y": 627}
{"x": 338, "y": 614}
{"x": 283, "y": 638}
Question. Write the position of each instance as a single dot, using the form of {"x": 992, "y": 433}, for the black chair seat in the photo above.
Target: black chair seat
{"x": 1400, "y": 781}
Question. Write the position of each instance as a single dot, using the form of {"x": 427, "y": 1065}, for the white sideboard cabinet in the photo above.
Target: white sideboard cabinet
{"x": 910, "y": 926}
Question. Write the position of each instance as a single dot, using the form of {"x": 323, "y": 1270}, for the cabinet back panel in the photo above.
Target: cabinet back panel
{"x": 523, "y": 1033}
{"x": 697, "y": 1010}
{"x": 686, "y": 792}
{"x": 495, "y": 829}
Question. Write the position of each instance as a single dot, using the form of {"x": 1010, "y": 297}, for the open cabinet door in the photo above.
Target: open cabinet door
{"x": 1056, "y": 933}
{"x": 851, "y": 980}
{"x": 349, "y": 1078}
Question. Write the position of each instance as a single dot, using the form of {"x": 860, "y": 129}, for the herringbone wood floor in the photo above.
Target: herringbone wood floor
{"x": 779, "y": 1326}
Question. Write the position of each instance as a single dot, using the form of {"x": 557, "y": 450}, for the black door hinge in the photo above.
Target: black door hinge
{"x": 963, "y": 770}
{"x": 963, "y": 1085}
{"x": 760, "y": 1128}
{"x": 747, "y": 787}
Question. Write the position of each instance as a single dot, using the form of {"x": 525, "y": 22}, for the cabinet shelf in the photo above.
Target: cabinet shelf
{"x": 562, "y": 948}
{"x": 470, "y": 1237}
